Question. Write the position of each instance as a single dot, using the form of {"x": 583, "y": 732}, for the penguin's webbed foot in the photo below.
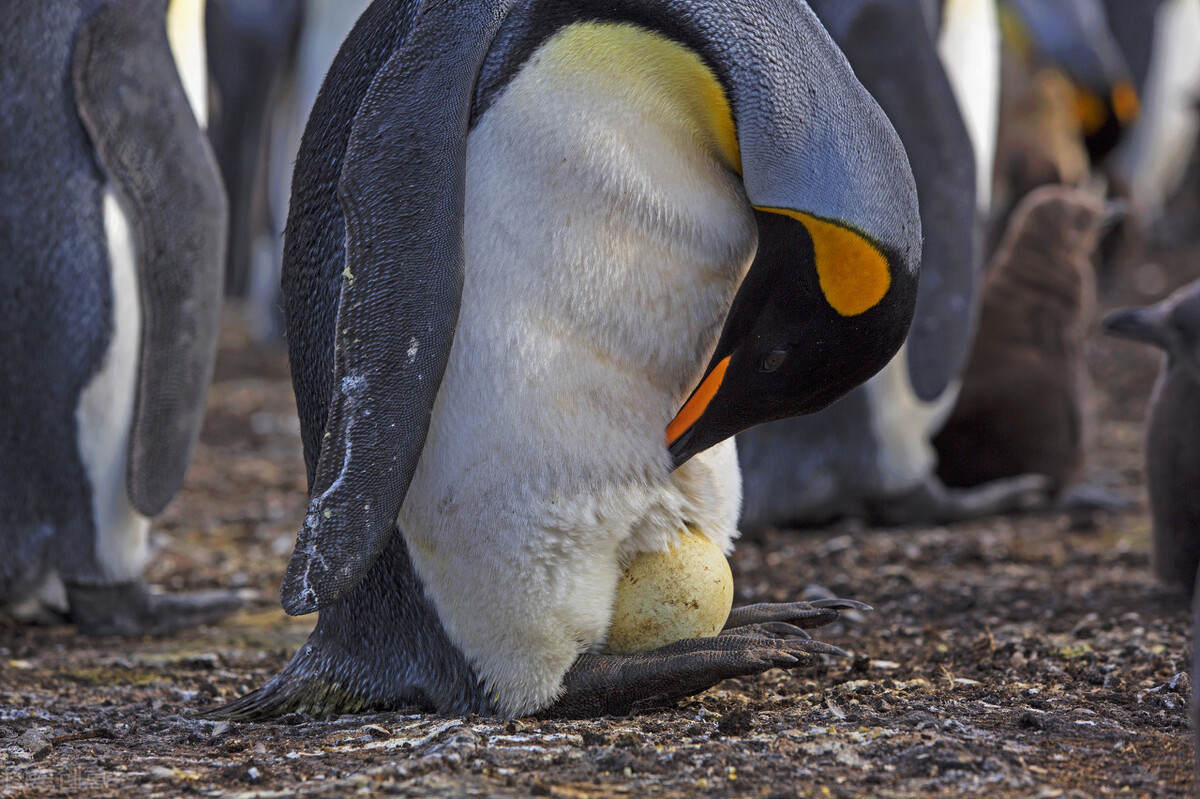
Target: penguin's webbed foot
{"x": 756, "y": 638}
{"x": 131, "y": 609}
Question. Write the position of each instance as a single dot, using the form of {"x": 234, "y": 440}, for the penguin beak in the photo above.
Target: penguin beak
{"x": 1136, "y": 324}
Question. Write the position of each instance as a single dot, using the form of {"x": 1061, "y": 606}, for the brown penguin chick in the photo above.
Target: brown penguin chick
{"x": 1022, "y": 405}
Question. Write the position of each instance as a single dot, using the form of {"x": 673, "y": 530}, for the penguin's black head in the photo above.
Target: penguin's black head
{"x": 796, "y": 339}
{"x": 1172, "y": 325}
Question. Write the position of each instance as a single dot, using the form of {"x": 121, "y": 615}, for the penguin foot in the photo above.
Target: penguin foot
{"x": 131, "y": 609}
{"x": 617, "y": 685}
{"x": 756, "y": 638}
{"x": 934, "y": 503}
{"x": 1086, "y": 497}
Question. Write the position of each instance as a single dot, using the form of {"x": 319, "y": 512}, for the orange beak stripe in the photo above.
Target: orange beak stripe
{"x": 694, "y": 408}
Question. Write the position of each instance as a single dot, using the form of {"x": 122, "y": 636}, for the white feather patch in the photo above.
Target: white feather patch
{"x": 105, "y": 413}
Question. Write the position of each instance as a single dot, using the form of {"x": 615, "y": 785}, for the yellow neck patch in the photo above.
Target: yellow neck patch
{"x": 654, "y": 66}
{"x": 853, "y": 273}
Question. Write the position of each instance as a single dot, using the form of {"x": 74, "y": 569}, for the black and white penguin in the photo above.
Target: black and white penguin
{"x": 252, "y": 46}
{"x": 1173, "y": 434}
{"x": 527, "y": 237}
{"x": 1164, "y": 139}
{"x": 1074, "y": 36}
{"x": 934, "y": 68}
{"x": 112, "y": 221}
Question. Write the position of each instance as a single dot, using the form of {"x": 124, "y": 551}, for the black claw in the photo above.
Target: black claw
{"x": 771, "y": 629}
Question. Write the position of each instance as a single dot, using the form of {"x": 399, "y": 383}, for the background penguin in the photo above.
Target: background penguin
{"x": 934, "y": 70}
{"x": 269, "y": 58}
{"x": 1164, "y": 138}
{"x": 542, "y": 216}
{"x": 252, "y": 48}
{"x": 1073, "y": 36}
{"x": 1022, "y": 407}
{"x": 1173, "y": 434}
{"x": 112, "y": 219}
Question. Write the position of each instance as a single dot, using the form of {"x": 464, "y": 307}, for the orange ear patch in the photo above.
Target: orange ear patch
{"x": 1125, "y": 102}
{"x": 694, "y": 408}
{"x": 853, "y": 273}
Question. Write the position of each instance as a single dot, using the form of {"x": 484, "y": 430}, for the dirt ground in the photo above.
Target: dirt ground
{"x": 1027, "y": 656}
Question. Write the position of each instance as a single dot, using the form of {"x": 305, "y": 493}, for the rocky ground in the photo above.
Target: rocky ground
{"x": 1027, "y": 656}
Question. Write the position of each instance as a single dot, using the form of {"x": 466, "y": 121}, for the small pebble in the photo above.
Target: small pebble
{"x": 35, "y": 743}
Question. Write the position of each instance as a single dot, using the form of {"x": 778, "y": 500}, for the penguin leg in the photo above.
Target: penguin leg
{"x": 931, "y": 502}
{"x": 132, "y": 609}
{"x": 606, "y": 684}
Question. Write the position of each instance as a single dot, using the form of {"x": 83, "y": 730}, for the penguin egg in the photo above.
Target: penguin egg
{"x": 685, "y": 592}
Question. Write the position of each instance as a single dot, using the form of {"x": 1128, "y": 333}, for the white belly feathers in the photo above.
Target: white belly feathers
{"x": 586, "y": 320}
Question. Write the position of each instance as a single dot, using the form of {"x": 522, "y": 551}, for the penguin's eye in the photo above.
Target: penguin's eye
{"x": 773, "y": 360}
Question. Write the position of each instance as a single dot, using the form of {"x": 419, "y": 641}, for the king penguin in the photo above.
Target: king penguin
{"x": 1156, "y": 160}
{"x": 543, "y": 260}
{"x": 934, "y": 67}
{"x": 1074, "y": 37}
{"x": 1173, "y": 434}
{"x": 112, "y": 221}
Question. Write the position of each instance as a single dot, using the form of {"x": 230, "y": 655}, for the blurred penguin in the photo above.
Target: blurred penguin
{"x": 287, "y": 47}
{"x": 1073, "y": 36}
{"x": 1165, "y": 137}
{"x": 933, "y": 67}
{"x": 1023, "y": 407}
{"x": 1173, "y": 434}
{"x": 251, "y": 54}
{"x": 112, "y": 222}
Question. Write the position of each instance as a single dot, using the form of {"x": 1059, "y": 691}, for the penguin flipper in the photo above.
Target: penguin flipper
{"x": 132, "y": 104}
{"x": 402, "y": 193}
{"x": 897, "y": 60}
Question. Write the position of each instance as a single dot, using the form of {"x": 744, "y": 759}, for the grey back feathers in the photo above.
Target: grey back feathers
{"x": 1133, "y": 24}
{"x": 1173, "y": 435}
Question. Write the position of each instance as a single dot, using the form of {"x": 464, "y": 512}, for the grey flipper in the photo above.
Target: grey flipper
{"x": 897, "y": 60}
{"x": 133, "y": 106}
{"x": 402, "y": 193}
